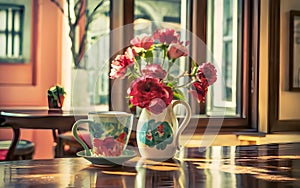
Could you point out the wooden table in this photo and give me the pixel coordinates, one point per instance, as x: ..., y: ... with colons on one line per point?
x: 61, y: 121
x: 275, y: 165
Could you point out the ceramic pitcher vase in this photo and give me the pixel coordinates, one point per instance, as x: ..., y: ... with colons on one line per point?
x: 158, y: 134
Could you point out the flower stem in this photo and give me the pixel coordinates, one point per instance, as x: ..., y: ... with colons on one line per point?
x: 171, y: 63
x: 182, y: 75
x: 164, y: 57
x: 186, y: 85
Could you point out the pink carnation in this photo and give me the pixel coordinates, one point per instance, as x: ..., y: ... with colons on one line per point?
x: 167, y: 36
x: 143, y: 41
x: 207, y: 71
x: 120, y: 63
x: 155, y: 71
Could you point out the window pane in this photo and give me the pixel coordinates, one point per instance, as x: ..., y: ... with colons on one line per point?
x: 2, y: 42
x: 98, y: 55
x: 158, y: 11
x: 2, y: 20
x: 224, y: 28
x: 17, y: 21
x: 16, y: 46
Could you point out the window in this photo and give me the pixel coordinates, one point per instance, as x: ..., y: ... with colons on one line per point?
x: 15, y: 34
x: 224, y: 26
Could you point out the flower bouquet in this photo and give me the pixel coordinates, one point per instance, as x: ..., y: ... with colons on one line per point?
x: 152, y: 85
x: 149, y: 65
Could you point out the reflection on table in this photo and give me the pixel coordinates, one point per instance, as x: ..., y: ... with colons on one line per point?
x: 274, y: 165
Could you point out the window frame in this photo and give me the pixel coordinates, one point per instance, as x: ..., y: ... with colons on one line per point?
x: 248, y: 121
x: 122, y: 14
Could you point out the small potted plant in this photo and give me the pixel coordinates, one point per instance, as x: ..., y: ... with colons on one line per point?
x: 56, y: 96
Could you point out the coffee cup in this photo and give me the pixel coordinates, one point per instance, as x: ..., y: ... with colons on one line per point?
x: 109, y: 133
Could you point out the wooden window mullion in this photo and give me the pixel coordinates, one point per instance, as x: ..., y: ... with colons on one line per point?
x: 6, y: 33
x: 13, y: 32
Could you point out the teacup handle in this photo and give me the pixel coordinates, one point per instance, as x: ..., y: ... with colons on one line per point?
x: 185, y: 121
x: 77, y: 138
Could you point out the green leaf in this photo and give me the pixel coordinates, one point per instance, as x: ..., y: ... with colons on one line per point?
x: 171, y: 84
x: 194, y: 69
x: 178, y: 95
x: 131, y: 77
x: 130, y: 105
x: 56, y: 91
x: 148, y: 54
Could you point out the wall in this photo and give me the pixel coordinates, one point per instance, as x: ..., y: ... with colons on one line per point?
x: 45, y: 70
x: 289, y: 101
x: 43, y: 67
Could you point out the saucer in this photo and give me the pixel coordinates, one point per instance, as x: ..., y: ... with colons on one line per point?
x: 109, y: 161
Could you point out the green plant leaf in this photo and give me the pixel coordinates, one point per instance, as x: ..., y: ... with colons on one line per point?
x: 194, y: 69
x: 148, y: 54
x: 178, y: 95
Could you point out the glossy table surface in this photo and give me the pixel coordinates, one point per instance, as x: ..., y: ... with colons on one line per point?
x: 274, y: 165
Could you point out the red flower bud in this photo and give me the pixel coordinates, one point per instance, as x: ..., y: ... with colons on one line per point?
x: 177, y: 50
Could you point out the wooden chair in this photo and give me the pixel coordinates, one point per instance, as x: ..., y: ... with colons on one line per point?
x: 24, y: 149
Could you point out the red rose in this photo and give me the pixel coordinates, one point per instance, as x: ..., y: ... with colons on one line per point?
x: 177, y: 50
x: 207, y: 71
x: 150, y: 93
x: 120, y: 63
x: 166, y: 36
x: 199, y: 90
x: 155, y: 71
x: 143, y: 41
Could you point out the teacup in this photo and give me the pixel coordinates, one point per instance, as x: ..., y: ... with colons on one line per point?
x: 109, y: 132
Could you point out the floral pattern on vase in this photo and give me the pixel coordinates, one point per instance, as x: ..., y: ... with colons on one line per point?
x: 156, y: 134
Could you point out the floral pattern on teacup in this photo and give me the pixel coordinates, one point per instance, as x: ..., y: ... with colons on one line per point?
x: 110, y: 146
x: 158, y: 134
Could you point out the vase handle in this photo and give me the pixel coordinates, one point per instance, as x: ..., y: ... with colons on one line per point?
x: 185, y: 121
